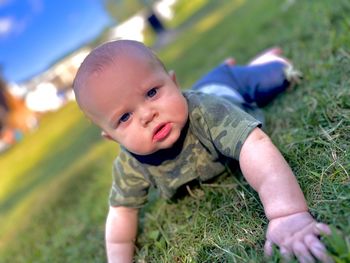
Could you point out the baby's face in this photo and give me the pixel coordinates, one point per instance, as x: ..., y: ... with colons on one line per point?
x: 138, y: 104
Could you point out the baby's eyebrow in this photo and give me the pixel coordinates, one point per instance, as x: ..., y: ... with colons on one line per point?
x: 151, y: 82
x: 115, y: 117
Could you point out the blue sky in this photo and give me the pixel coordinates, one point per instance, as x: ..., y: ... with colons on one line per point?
x: 34, y: 33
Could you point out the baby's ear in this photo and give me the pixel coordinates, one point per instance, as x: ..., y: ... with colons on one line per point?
x: 173, y: 76
x: 106, y: 136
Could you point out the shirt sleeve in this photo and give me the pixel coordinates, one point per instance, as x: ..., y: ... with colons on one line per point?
x: 228, y: 125
x: 129, y: 188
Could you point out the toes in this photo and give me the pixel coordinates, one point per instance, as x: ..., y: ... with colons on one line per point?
x: 274, y: 51
x: 230, y: 61
x: 270, y: 55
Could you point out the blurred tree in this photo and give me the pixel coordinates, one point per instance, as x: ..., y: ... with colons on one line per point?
x: 14, y: 113
x: 4, y: 107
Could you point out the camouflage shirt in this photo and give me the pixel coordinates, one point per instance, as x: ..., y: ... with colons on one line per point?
x: 215, y: 132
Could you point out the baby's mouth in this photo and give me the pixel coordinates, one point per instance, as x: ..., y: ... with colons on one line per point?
x: 162, y: 131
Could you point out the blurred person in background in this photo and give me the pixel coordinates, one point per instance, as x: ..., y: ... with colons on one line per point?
x: 15, y: 118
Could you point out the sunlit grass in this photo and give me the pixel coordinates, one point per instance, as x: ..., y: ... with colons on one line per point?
x: 208, y: 22
x: 214, y: 18
x: 41, y: 208
x: 36, y: 171
x: 52, y: 135
x: 43, y: 193
x: 183, y: 11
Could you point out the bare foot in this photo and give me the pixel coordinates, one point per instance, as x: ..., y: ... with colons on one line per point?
x: 270, y: 55
x: 275, y: 54
x: 230, y: 61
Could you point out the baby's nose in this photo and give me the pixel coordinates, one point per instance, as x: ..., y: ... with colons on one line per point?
x: 147, y: 115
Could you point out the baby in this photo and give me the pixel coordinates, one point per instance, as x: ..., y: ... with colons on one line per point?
x: 169, y: 138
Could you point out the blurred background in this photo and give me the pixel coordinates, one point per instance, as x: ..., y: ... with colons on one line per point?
x: 55, y: 169
x: 42, y: 44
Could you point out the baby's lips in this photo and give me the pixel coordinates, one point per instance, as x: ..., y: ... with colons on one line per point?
x: 162, y: 131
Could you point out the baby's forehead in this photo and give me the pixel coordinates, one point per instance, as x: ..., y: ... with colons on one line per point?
x: 115, y: 58
x: 127, y: 60
x: 126, y: 65
x: 128, y: 69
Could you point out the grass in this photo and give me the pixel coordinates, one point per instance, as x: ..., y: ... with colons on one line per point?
x: 54, y: 184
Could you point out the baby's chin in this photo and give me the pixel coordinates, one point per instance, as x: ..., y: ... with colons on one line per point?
x: 153, y: 150
x: 147, y: 152
x: 143, y: 153
x: 164, y: 145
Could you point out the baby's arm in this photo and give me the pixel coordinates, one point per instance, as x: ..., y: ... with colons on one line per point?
x: 291, y: 227
x: 121, y: 230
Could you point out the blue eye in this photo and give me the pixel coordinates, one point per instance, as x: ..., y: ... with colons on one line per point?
x: 125, y: 117
x: 152, y: 92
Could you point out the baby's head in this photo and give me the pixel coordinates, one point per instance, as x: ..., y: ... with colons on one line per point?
x: 124, y: 88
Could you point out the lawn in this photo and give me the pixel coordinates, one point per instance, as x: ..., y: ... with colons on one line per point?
x: 54, y: 185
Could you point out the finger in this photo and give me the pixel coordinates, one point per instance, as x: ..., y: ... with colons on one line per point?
x: 321, y: 228
x: 286, y: 253
x: 268, y: 248
x: 302, y: 253
x: 317, y: 249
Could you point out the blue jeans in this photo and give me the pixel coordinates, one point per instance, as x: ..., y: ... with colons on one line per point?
x: 257, y: 84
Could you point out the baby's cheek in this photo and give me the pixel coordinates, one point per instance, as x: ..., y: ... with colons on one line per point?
x: 182, y: 110
x: 130, y: 141
x: 135, y: 142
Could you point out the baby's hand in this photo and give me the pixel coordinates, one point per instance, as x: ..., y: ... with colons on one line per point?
x: 297, y: 234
